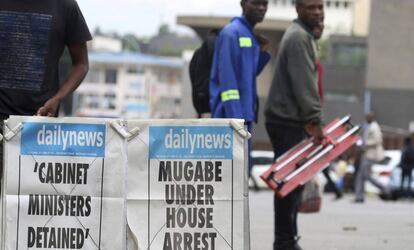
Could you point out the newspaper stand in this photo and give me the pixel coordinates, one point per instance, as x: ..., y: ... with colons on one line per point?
x: 305, y: 160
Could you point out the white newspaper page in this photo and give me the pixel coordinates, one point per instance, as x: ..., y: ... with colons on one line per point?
x: 186, y: 185
x: 64, y: 185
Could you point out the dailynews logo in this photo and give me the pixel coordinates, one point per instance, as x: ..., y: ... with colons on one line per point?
x: 63, y: 139
x: 191, y: 142
x: 183, y: 139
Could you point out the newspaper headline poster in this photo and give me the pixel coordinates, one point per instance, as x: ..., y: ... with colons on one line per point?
x: 186, y: 187
x: 64, y: 184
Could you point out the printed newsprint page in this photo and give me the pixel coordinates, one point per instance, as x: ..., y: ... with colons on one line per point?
x: 186, y: 185
x: 64, y: 184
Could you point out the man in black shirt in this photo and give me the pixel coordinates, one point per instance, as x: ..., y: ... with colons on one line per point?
x: 33, y: 35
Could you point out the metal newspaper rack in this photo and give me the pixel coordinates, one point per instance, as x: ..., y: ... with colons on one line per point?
x: 305, y: 160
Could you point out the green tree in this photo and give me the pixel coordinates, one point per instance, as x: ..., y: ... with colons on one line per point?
x: 130, y: 43
x: 163, y: 29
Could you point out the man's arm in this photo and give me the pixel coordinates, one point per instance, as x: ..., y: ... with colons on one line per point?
x: 302, y: 70
x: 79, y: 69
x: 227, y: 56
x: 316, y: 131
x: 264, y: 56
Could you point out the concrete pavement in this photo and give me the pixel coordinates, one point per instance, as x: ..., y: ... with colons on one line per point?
x: 341, y: 225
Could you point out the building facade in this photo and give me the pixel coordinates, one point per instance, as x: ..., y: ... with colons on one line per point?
x: 343, y: 17
x: 344, y: 70
x: 338, y: 14
x: 130, y: 85
x: 390, y: 74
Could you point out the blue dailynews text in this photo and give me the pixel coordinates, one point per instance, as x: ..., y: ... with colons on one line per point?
x: 184, y: 139
x: 57, y: 136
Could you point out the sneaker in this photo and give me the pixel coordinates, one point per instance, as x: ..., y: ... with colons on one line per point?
x: 288, y: 245
x: 297, y: 247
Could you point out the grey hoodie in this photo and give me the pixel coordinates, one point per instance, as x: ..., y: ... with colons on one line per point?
x: 293, y: 98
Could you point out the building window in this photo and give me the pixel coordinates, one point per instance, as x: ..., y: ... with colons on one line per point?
x: 88, y: 101
x: 328, y: 4
x: 135, y: 70
x: 337, y: 4
x: 111, y: 76
x: 162, y: 76
x: 349, y: 55
x: 137, y: 86
x: 109, y: 101
x: 81, y: 101
x: 93, y: 76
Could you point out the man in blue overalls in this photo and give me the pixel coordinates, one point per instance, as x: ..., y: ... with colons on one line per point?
x: 239, y: 56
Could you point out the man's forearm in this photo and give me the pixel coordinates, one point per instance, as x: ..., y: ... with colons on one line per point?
x: 72, y: 81
x: 75, y: 77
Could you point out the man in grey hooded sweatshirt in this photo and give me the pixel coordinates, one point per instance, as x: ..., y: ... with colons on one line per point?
x: 293, y: 109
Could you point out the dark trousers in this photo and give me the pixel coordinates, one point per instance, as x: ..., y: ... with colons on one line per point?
x: 406, y: 175
x: 284, y: 138
x: 330, y: 183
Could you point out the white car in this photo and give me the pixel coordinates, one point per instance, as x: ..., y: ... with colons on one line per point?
x: 262, y: 160
x: 381, y: 171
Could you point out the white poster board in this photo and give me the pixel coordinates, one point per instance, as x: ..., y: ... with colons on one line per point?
x: 186, y: 185
x: 64, y: 184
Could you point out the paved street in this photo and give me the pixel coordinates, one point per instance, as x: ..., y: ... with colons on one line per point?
x: 341, y: 225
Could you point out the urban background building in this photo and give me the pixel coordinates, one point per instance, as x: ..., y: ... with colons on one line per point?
x: 128, y: 84
x: 364, y: 54
x: 390, y: 74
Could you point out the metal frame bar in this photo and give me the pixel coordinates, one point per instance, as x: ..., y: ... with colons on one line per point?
x: 341, y: 122
x: 327, y: 149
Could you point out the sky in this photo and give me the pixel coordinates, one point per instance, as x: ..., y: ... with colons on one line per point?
x: 143, y: 17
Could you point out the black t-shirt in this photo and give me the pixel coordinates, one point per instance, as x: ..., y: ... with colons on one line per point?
x: 33, y: 35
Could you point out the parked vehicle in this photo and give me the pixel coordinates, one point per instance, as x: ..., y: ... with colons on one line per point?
x: 394, y: 185
x: 381, y: 171
x: 262, y: 160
